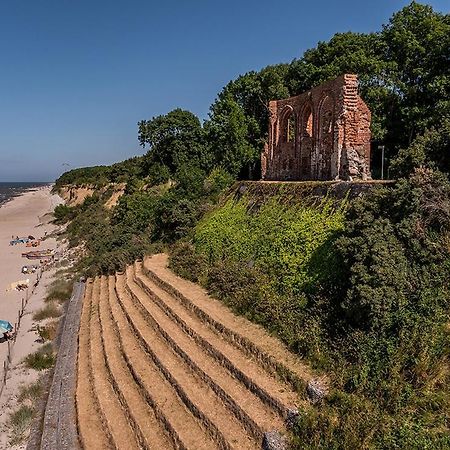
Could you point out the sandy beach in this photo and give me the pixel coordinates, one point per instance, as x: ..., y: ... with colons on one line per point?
x: 22, y: 216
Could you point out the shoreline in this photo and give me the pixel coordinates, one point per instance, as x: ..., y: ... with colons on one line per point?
x: 22, y: 215
x: 23, y: 190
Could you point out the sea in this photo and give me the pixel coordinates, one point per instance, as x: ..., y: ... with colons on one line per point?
x: 10, y: 190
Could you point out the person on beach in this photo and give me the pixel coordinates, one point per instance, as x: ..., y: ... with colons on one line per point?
x: 7, y: 335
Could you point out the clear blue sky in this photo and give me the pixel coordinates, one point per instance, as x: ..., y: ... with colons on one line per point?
x: 77, y: 75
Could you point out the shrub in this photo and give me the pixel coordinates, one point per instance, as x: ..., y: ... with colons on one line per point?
x: 238, y: 285
x: 135, y: 211
x: 217, y: 181
x: 60, y: 290
x: 432, y: 149
x: 50, y: 310
x: 42, y: 359
x: 186, y: 262
x: 175, y: 217
x: 19, y: 422
x: 158, y: 174
x: 63, y: 213
x: 48, y: 332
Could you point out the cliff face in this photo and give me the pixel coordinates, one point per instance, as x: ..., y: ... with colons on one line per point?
x: 75, y: 195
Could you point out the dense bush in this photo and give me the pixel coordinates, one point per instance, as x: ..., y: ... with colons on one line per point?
x: 432, y: 150
x: 63, y: 214
x: 293, y: 243
x: 187, y: 263
x: 360, y: 289
x: 395, y: 292
x: 144, y: 219
x: 100, y: 176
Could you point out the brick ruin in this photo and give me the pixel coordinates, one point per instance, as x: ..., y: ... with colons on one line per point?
x: 322, y: 134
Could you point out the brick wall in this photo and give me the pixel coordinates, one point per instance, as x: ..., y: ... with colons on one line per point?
x: 322, y: 134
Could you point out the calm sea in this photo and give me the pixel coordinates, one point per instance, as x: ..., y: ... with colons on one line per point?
x: 9, y: 190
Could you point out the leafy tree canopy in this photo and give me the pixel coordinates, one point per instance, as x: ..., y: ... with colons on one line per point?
x: 175, y: 139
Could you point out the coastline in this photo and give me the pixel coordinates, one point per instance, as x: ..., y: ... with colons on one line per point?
x: 22, y: 215
x: 18, y: 189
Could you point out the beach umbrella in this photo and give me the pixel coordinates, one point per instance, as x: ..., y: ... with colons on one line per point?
x: 5, y: 326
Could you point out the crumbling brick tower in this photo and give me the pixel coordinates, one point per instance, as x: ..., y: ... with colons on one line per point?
x: 322, y: 134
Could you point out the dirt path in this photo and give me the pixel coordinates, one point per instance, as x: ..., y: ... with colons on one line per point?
x: 93, y: 433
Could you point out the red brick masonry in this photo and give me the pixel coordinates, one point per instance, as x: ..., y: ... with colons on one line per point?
x: 322, y: 134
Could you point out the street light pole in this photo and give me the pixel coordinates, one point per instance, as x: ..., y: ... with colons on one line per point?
x: 381, y: 147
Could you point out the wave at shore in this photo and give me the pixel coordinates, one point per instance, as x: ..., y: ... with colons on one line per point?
x: 11, y: 190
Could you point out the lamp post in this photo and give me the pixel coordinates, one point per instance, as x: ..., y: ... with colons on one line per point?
x: 381, y: 147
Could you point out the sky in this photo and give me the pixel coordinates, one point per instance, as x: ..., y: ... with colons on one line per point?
x: 77, y: 75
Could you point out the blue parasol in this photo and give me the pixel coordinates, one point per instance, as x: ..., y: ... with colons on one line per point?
x: 5, y: 326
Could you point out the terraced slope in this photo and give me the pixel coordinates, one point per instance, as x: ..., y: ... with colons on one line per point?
x: 158, y: 368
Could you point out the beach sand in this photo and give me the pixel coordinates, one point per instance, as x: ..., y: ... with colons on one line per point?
x: 22, y: 216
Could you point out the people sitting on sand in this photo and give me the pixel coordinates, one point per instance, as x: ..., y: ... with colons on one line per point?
x: 8, y: 335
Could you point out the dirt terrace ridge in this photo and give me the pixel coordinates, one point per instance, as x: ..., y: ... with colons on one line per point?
x: 163, y: 366
x: 251, y: 338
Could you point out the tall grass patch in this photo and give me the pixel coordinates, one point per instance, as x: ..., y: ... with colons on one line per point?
x: 293, y: 243
x: 51, y: 310
x: 42, y: 359
x: 60, y: 290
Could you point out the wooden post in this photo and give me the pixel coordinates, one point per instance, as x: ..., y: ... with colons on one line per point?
x: 9, y: 352
x: 4, y: 372
x: 21, y: 311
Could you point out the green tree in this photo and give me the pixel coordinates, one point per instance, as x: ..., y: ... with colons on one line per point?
x: 418, y: 46
x: 228, y: 136
x: 432, y: 149
x: 175, y: 139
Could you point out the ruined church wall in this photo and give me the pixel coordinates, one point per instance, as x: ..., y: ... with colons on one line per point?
x: 322, y: 134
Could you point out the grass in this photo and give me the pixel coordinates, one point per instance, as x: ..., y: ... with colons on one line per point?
x: 49, y: 311
x: 60, y: 290
x: 31, y: 392
x: 42, y: 359
x: 48, y: 333
x: 19, y: 421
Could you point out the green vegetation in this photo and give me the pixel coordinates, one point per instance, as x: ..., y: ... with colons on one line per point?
x: 42, y: 359
x: 290, y: 242
x: 147, y: 218
x: 19, y: 421
x: 357, y: 286
x: 49, y: 310
x: 49, y: 331
x: 31, y: 392
x: 100, y: 176
x: 60, y: 290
